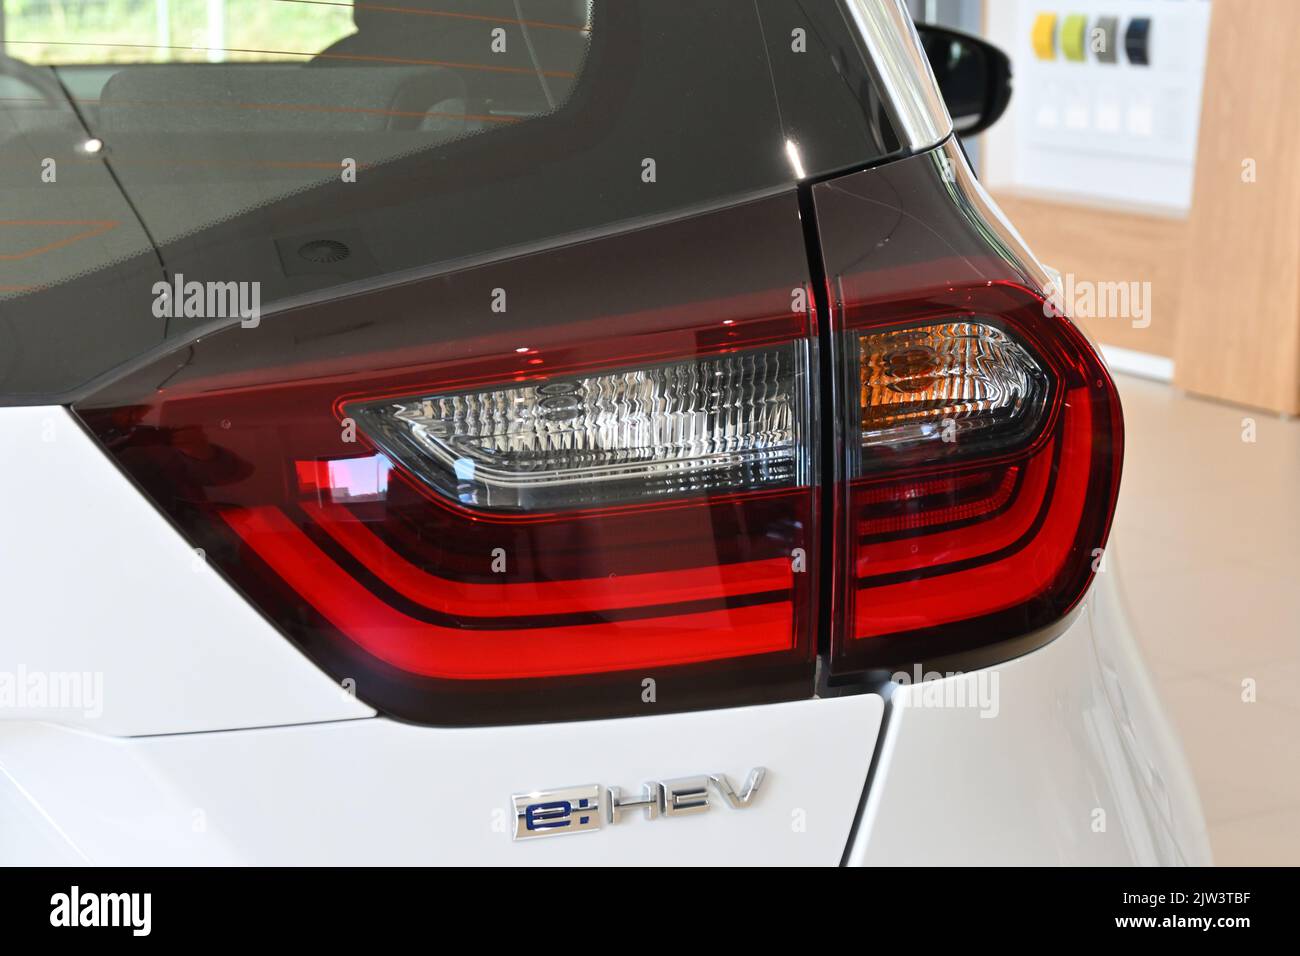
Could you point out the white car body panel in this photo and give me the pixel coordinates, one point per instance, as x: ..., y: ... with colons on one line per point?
x: 382, y: 792
x: 1078, y: 767
x: 109, y: 588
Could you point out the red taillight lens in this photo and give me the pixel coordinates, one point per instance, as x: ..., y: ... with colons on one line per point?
x: 443, y: 628
x: 983, y: 455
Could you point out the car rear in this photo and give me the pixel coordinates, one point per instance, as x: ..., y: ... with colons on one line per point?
x: 516, y: 422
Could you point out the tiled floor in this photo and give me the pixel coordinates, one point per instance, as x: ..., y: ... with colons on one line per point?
x: 1208, y: 539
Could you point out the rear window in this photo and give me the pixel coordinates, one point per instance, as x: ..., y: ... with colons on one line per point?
x: 306, y: 145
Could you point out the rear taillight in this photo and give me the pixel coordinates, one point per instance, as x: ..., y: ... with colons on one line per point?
x: 554, y: 514
x: 981, y: 473
x: 980, y: 436
x: 575, y: 511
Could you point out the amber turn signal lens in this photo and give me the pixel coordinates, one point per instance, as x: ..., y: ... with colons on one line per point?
x: 931, y: 390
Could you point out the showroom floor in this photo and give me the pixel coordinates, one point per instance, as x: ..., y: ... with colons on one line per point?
x: 1208, y: 539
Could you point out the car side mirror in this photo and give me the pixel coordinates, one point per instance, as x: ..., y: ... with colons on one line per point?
x: 973, y: 76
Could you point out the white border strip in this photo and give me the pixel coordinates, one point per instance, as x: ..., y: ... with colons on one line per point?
x: 1142, y: 364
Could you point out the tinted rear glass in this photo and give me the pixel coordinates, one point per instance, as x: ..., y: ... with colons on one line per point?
x: 299, y: 146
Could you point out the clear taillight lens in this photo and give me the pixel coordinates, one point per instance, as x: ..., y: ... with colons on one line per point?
x: 729, y: 422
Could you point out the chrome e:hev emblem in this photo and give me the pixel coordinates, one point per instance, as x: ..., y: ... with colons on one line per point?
x: 544, y: 813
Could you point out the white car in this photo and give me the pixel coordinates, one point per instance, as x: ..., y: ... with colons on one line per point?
x: 549, y: 432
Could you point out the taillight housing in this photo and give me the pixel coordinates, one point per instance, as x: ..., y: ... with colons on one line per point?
x: 567, y: 510
x: 982, y: 446
x: 978, y: 436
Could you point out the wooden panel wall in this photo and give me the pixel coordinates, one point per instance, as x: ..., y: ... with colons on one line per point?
x: 1225, y: 281
x: 1239, y: 330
